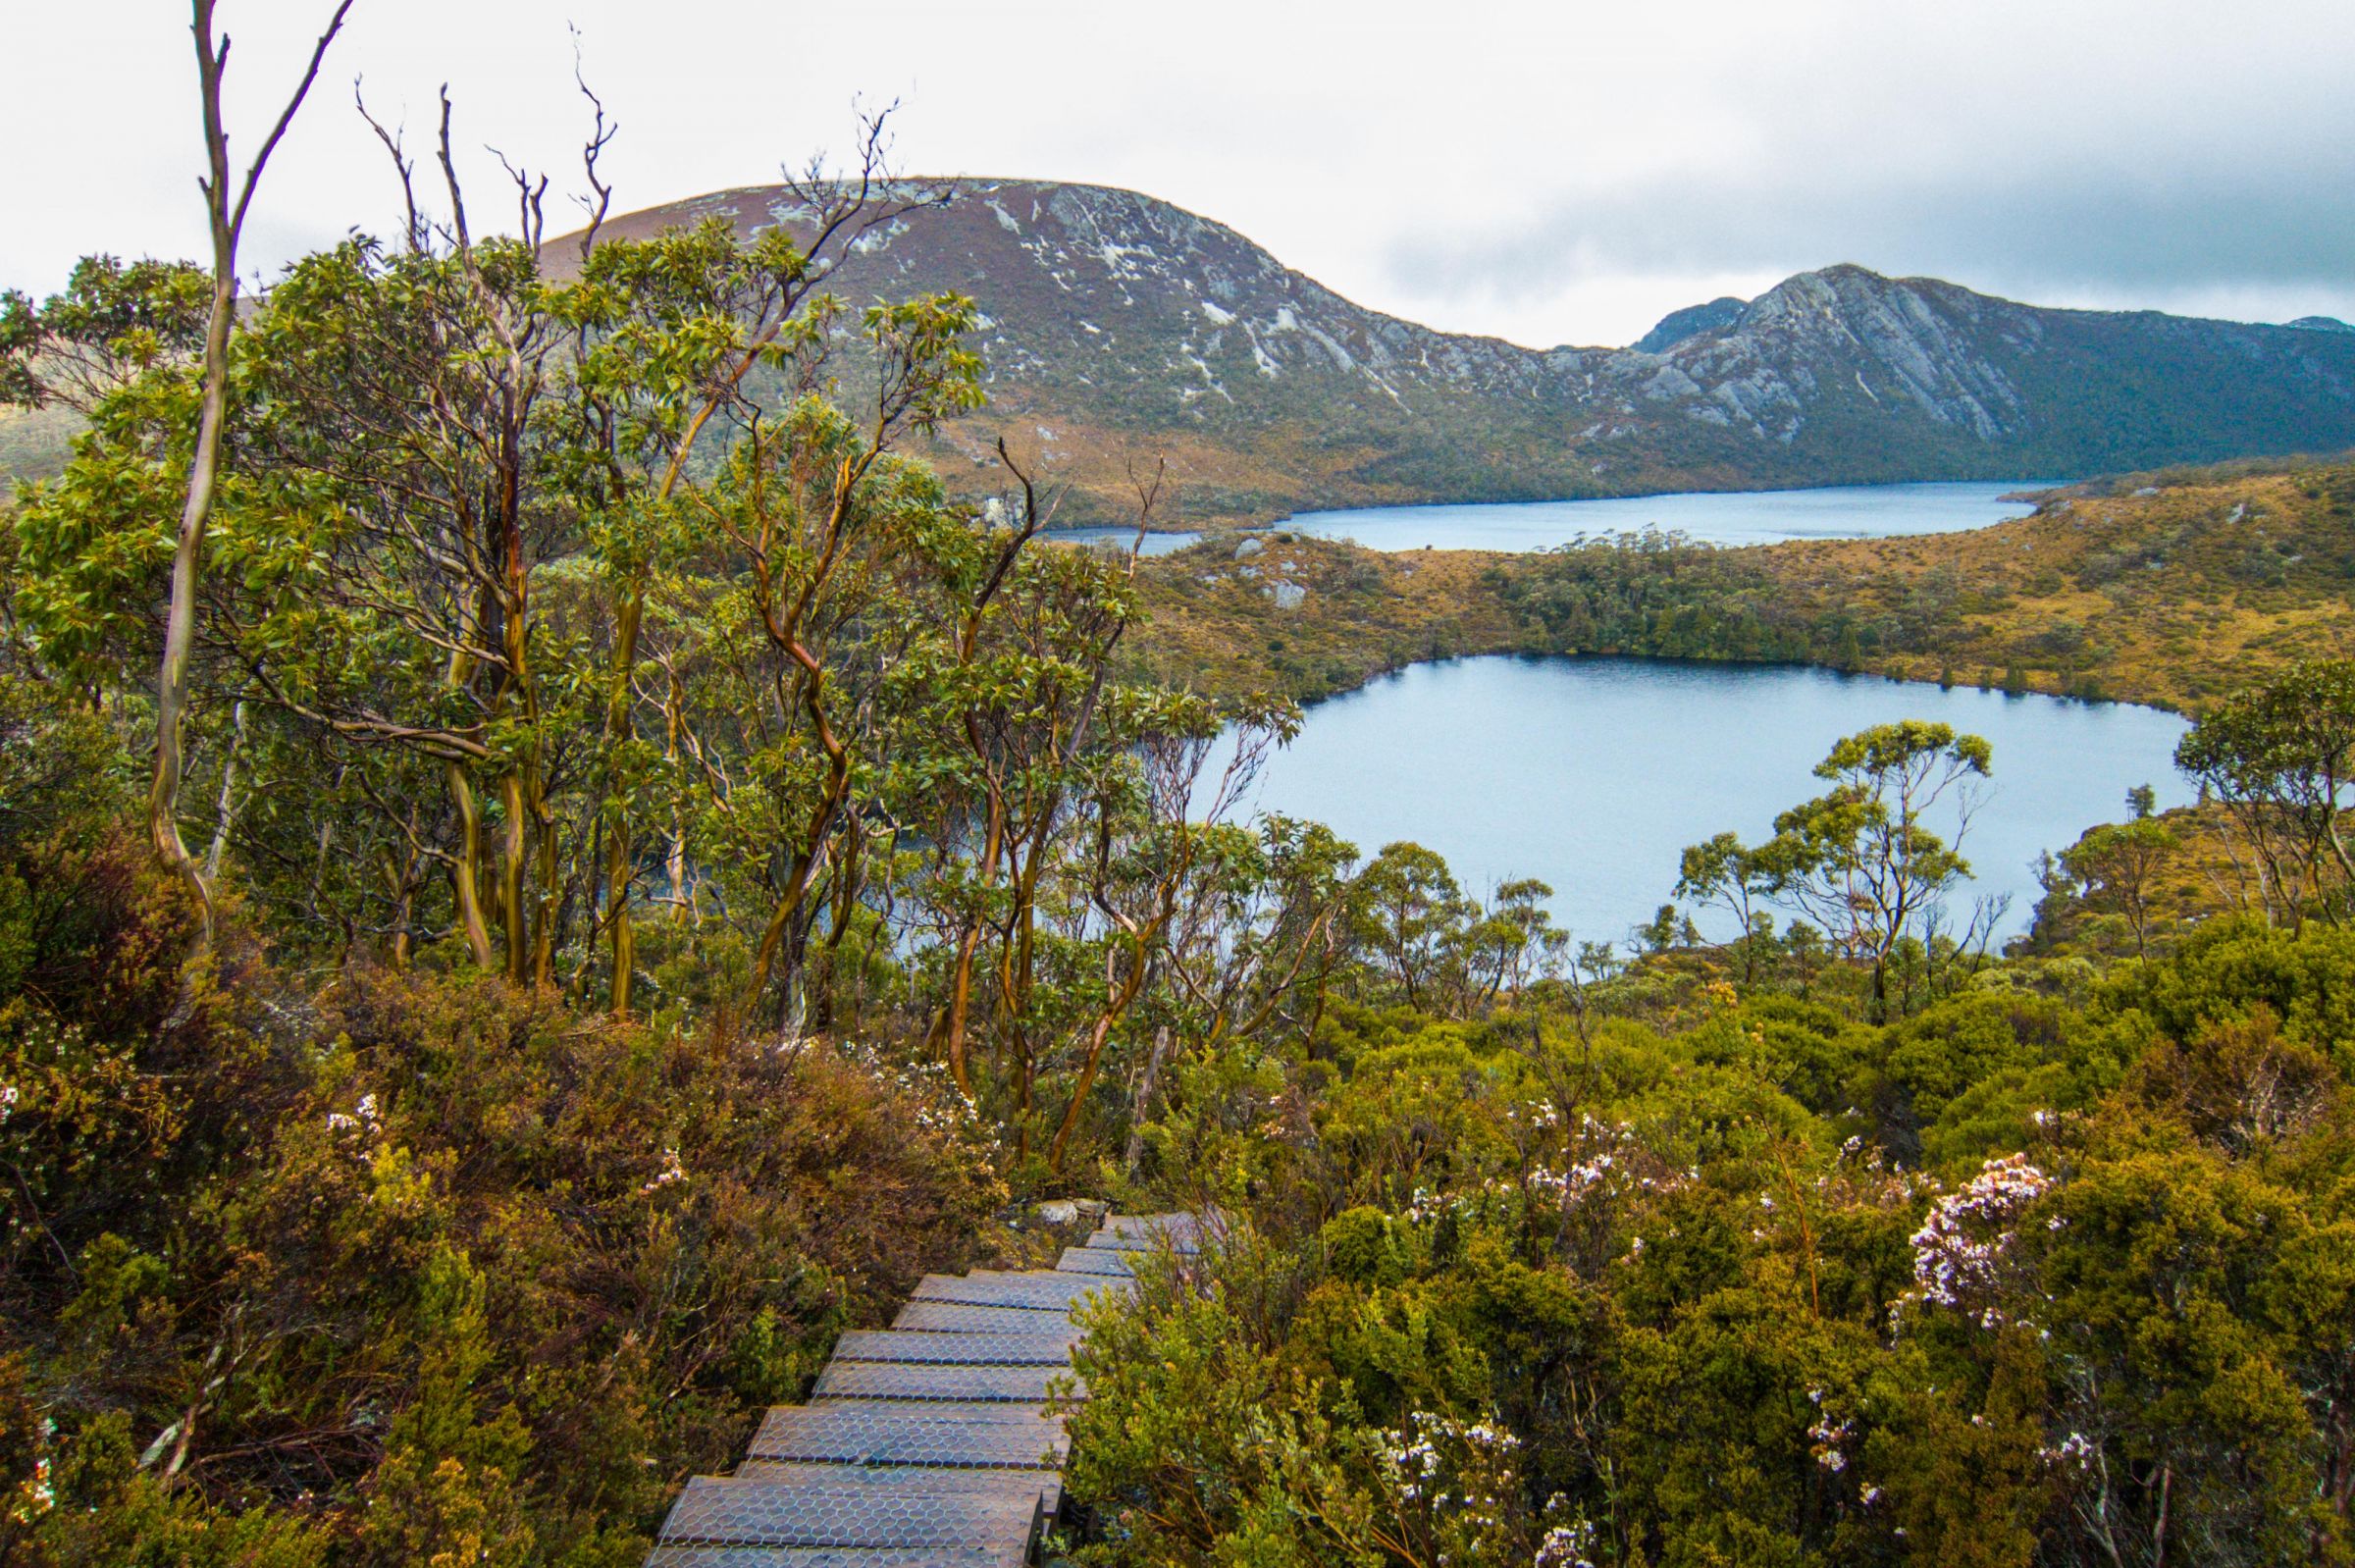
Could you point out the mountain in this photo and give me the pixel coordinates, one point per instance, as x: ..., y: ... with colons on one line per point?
x: 1690, y: 322
x: 1121, y: 326
x: 2321, y: 324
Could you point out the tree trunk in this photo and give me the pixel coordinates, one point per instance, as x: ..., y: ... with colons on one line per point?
x: 464, y: 870
x: 225, y: 809
x: 1142, y: 1105
x: 179, y: 622
x: 618, y: 863
x: 514, y: 846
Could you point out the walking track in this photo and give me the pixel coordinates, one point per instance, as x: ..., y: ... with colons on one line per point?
x: 928, y: 1444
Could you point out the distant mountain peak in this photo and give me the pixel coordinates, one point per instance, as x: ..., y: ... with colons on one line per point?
x: 1690, y: 322
x: 2320, y: 323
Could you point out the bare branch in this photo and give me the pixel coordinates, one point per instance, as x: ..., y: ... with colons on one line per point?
x: 449, y: 173
x: 601, y: 133
x: 310, y: 74
x: 402, y: 165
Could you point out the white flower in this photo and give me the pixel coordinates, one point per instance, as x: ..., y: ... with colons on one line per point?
x: 671, y: 1172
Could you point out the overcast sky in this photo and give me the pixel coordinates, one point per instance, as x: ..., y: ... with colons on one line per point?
x: 1552, y: 171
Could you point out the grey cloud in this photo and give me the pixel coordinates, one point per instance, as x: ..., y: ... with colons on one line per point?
x: 2028, y: 233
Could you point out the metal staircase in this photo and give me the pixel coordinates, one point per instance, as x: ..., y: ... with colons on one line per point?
x: 925, y: 1444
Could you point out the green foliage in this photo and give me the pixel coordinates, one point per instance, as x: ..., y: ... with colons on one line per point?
x: 1859, y: 860
x: 2280, y: 758
x: 411, y: 1268
x: 2023, y: 1280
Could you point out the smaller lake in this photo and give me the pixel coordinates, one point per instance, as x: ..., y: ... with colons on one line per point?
x: 1593, y: 775
x: 1120, y: 538
x: 1730, y: 517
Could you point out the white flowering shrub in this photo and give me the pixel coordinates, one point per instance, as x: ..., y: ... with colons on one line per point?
x: 1964, y: 1252
x: 1455, y: 1490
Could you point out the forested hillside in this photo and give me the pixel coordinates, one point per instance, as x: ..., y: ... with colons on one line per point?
x: 550, y: 861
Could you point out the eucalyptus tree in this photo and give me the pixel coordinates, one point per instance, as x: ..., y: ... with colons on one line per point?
x: 2118, y: 865
x: 228, y: 201
x: 458, y: 474
x: 1410, y: 914
x: 1158, y: 847
x: 2280, y: 761
x: 1859, y: 860
x: 1013, y: 676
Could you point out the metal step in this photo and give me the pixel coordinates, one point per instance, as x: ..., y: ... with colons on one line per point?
x: 891, y: 1380
x: 937, y: 1409
x: 823, y: 1557
x: 1094, y: 1260
x: 903, y: 1432
x: 1044, y: 1485
x: 952, y: 1317
x: 1053, y: 1293
x: 1046, y: 1349
x: 1184, y: 1230
x: 1106, y: 1241
x: 777, y: 1511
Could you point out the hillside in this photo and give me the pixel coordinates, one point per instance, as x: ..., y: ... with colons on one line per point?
x: 1118, y: 325
x: 2169, y: 587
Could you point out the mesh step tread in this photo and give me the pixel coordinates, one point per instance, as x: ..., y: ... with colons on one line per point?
x: 1046, y: 1349
x: 1095, y: 1259
x: 1052, y: 1293
x: 1182, y: 1227
x: 928, y: 1444
x: 957, y: 1317
x: 1009, y: 1437
x: 775, y: 1510
x: 1045, y: 1278
x: 833, y: 1557
x: 897, y: 1380
x: 937, y: 1409
x: 882, y: 1480
x: 1044, y: 1485
x: 1107, y: 1241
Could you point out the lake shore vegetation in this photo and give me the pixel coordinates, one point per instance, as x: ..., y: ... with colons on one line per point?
x: 2171, y: 588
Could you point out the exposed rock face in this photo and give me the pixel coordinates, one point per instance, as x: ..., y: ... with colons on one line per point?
x: 2321, y: 324
x: 1118, y: 326
x: 1689, y: 322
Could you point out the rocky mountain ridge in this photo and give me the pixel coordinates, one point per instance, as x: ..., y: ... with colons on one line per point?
x: 1119, y: 327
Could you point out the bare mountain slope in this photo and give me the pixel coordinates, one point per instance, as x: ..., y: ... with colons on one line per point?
x: 1124, y: 326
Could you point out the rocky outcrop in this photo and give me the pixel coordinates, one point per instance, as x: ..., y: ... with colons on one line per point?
x: 1689, y: 322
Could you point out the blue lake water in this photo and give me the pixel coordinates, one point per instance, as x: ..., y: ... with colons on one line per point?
x: 1593, y: 775
x: 1714, y: 517
x: 1735, y: 517
x: 1120, y: 539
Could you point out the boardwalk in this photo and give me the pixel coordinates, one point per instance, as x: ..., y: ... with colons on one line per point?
x: 925, y: 1444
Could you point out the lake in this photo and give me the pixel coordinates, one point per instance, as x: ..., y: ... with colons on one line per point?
x: 1714, y: 517
x: 1735, y: 517
x: 1593, y: 775
x: 1168, y: 543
